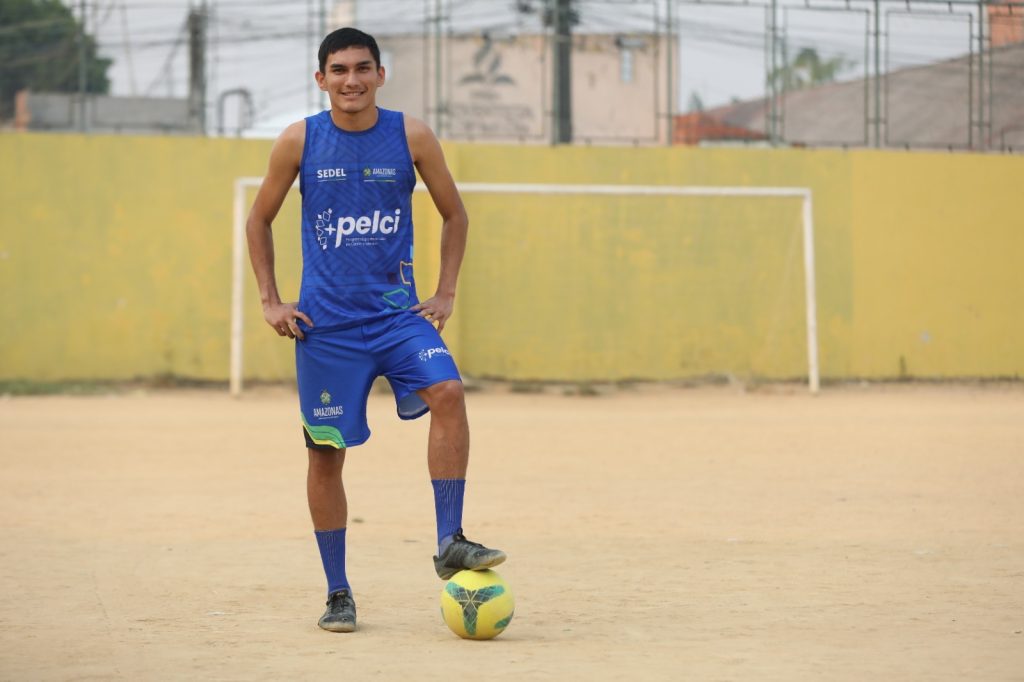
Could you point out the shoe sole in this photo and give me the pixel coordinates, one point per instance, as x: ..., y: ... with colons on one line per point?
x: 338, y: 627
x: 489, y: 562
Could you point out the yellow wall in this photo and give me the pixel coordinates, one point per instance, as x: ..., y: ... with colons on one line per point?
x: 115, y: 254
x: 938, y: 252
x: 584, y: 287
x: 115, y: 263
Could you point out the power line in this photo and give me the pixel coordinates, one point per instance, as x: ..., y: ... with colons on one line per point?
x: 165, y: 70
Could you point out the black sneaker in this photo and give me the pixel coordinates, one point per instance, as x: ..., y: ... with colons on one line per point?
x: 340, y: 615
x: 463, y: 555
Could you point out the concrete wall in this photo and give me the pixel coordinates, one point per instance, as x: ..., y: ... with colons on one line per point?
x: 937, y: 251
x: 115, y: 257
x: 114, y: 254
x: 104, y: 114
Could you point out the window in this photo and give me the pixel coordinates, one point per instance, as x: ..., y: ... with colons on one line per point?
x: 626, y: 65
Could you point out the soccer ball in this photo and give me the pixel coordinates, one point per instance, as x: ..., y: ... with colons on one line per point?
x: 477, y: 604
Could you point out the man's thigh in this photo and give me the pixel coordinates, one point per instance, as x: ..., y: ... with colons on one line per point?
x: 335, y: 372
x: 412, y: 355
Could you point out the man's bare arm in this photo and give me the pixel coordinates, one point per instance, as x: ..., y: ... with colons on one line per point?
x: 429, y: 161
x: 284, y: 166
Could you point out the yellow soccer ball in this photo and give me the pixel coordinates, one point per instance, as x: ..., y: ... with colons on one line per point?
x: 477, y: 604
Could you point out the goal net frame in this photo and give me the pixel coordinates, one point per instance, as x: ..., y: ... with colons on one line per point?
x: 803, y: 193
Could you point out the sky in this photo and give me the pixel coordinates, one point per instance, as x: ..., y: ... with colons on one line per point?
x: 268, y: 46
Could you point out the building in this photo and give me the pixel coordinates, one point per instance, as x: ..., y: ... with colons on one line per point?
x: 935, y: 106
x: 1006, y: 24
x: 498, y: 88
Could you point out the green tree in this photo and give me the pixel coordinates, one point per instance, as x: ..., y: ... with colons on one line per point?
x: 809, y: 69
x: 39, y: 50
x: 696, y: 103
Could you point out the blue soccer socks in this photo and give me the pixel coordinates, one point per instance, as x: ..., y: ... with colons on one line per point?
x: 332, y: 553
x: 448, y: 496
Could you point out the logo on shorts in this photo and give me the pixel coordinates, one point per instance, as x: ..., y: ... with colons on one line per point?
x: 327, y: 411
x: 428, y: 353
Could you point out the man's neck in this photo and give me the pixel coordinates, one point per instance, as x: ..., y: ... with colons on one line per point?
x: 354, y: 123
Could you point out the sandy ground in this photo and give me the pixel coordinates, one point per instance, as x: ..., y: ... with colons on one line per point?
x: 658, y: 533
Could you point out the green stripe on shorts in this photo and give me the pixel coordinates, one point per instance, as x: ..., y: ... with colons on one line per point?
x: 323, y: 435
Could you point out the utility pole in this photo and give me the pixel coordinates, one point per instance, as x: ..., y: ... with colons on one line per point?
x: 670, y: 93
x: 82, y: 68
x: 774, y: 73
x: 197, y: 20
x: 562, y: 82
x: 323, y: 33
x: 984, y: 55
x: 878, y: 74
x: 311, y: 49
x: 438, y: 92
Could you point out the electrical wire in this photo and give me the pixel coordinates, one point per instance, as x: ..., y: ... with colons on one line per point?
x: 251, y: 35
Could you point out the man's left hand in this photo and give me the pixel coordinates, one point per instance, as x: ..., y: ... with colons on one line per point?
x: 436, y: 309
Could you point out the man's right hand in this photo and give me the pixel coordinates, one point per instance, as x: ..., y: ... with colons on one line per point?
x: 282, y: 317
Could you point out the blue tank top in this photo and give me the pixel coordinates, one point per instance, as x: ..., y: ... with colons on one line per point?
x: 357, y: 235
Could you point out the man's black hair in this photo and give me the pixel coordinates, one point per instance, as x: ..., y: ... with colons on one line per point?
x: 345, y: 38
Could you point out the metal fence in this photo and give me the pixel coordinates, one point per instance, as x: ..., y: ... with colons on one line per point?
x: 873, y: 73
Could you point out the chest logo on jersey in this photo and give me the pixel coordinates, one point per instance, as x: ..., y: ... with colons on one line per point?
x: 379, y: 174
x: 366, y: 228
x: 330, y: 174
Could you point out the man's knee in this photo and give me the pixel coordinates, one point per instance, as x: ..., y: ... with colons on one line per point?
x: 326, y: 463
x: 446, y: 397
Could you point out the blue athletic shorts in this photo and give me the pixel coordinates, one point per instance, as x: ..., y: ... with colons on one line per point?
x: 336, y: 370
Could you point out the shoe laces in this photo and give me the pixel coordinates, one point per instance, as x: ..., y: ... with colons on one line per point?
x: 339, y: 599
x: 459, y: 537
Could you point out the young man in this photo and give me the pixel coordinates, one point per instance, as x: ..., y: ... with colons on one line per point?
x: 358, y: 315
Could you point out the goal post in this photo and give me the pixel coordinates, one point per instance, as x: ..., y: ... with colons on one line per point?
x: 804, y: 194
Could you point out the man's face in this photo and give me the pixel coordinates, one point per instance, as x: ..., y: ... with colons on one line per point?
x: 351, y: 79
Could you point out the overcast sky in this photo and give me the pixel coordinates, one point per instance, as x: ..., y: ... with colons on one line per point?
x: 268, y: 46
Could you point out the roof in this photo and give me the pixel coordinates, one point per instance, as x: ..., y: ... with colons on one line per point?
x: 698, y: 126
x: 927, y: 106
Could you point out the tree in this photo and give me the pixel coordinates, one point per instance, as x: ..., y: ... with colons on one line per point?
x: 808, y: 69
x: 696, y: 103
x: 40, y: 50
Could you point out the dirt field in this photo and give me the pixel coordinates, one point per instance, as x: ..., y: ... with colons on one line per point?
x: 658, y: 533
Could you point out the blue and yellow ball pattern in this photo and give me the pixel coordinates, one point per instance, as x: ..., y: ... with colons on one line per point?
x: 477, y: 604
